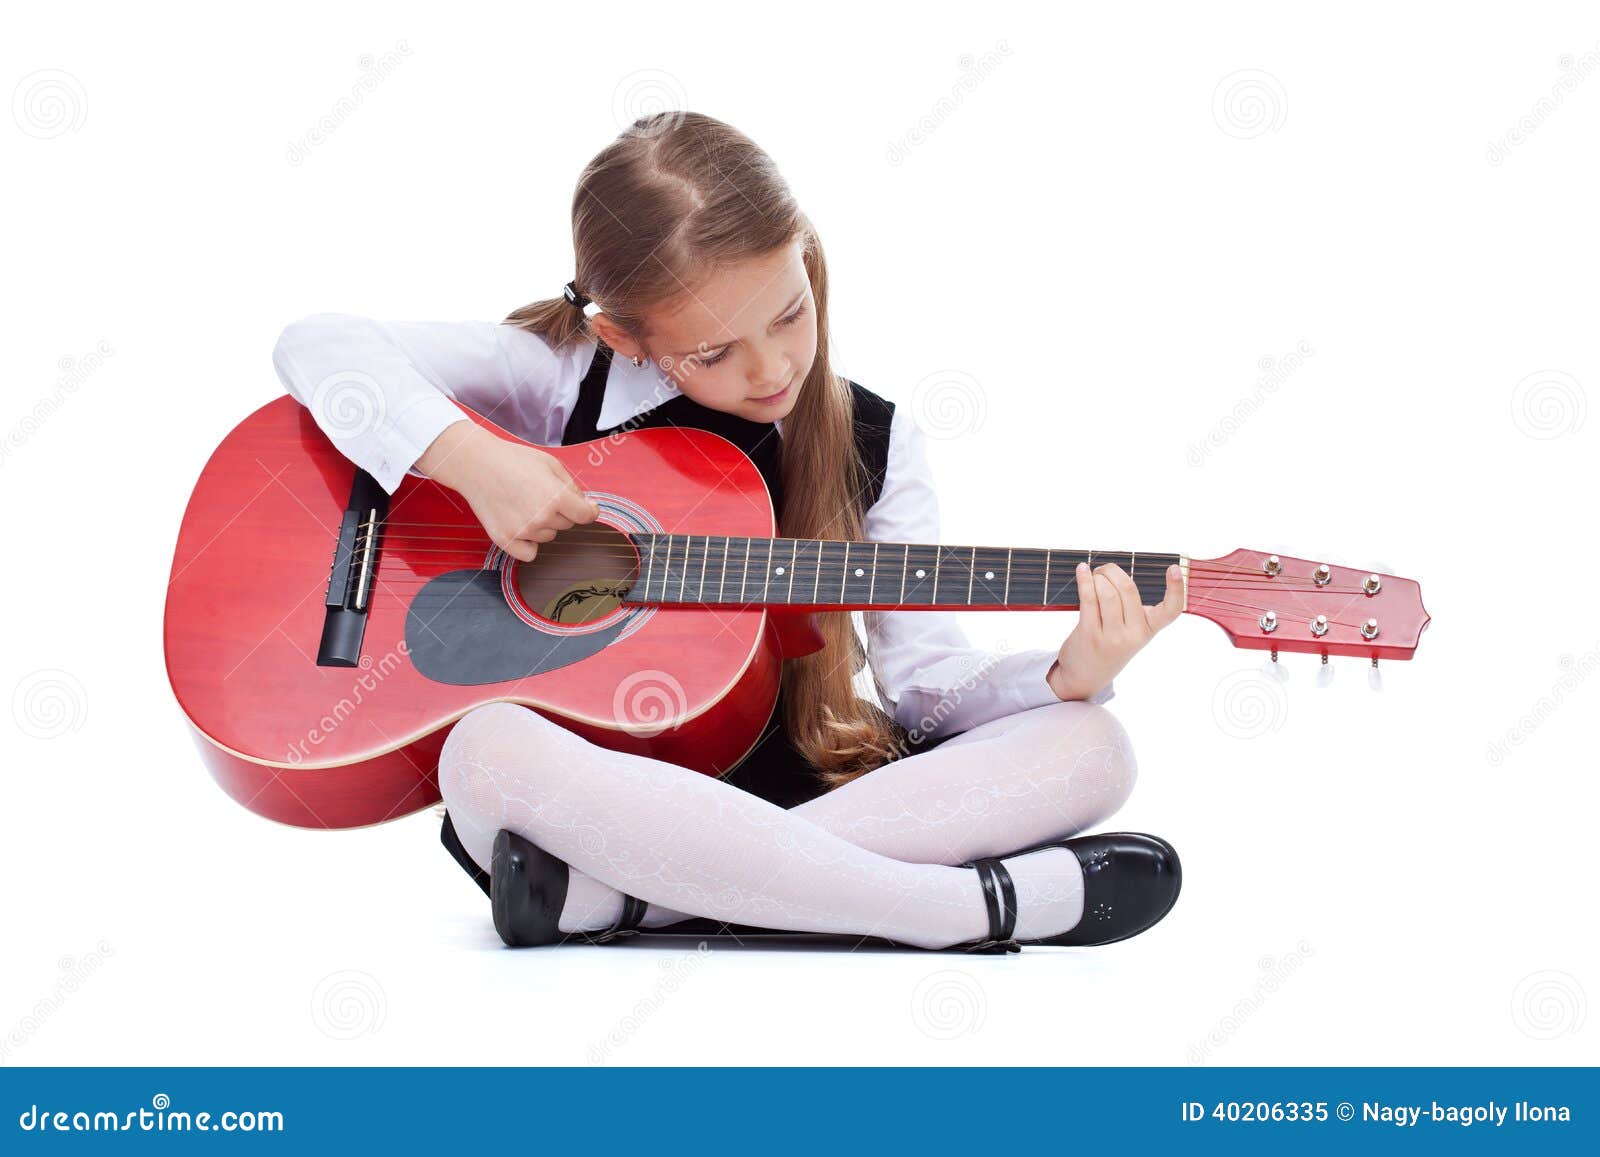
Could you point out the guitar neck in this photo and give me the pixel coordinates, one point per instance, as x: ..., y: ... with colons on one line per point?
x: 821, y: 574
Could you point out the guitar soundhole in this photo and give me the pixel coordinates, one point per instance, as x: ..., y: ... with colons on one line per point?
x: 580, y: 576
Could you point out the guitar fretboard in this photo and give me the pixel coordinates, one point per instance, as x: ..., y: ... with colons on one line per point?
x: 718, y: 569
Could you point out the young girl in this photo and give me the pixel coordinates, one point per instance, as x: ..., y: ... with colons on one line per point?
x: 940, y: 825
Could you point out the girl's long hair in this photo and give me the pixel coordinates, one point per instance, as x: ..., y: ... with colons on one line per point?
x: 696, y: 195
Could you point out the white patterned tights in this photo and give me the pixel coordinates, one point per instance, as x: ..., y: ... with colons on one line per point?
x: 876, y: 857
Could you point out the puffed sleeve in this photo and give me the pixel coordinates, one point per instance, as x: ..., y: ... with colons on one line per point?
x: 382, y: 391
x: 926, y: 672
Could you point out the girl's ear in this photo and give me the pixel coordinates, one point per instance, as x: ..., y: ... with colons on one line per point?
x: 615, y: 336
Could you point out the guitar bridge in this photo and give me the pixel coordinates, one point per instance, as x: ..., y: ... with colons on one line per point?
x: 354, y: 570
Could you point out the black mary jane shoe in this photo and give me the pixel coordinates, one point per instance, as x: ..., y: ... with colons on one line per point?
x: 1130, y: 881
x: 532, y: 887
x: 527, y: 888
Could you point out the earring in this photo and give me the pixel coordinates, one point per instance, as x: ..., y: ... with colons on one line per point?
x: 636, y: 361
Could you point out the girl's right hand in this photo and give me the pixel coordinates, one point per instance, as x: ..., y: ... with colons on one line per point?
x: 521, y: 495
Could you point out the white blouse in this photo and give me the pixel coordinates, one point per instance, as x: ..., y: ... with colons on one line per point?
x: 381, y: 392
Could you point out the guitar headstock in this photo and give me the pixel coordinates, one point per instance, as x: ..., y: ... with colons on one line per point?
x: 1268, y: 602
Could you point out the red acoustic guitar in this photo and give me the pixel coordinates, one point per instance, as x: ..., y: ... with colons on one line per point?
x: 322, y: 636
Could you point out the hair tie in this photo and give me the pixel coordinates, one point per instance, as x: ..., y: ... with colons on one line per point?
x: 573, y: 296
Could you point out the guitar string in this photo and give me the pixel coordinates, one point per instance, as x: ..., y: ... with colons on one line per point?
x: 576, y: 535
x: 1194, y: 602
x: 594, y: 533
x: 608, y: 533
x: 1242, y: 578
x: 1029, y: 555
x: 830, y: 573
x: 469, y: 532
x: 1249, y: 612
x: 838, y: 563
x: 1027, y: 567
x: 1024, y: 567
x: 482, y: 599
x: 1196, y: 567
x: 589, y: 533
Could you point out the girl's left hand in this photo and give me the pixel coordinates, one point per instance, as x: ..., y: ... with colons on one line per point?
x: 1112, y: 626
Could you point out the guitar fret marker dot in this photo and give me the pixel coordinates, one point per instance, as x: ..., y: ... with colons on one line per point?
x: 778, y: 570
x: 922, y: 574
x: 859, y: 572
x: 988, y: 574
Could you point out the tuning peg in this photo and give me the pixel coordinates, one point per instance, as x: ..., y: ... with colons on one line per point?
x: 1375, y: 677
x: 1275, y: 670
x: 1325, y: 673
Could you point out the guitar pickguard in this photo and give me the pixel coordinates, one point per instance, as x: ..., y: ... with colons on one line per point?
x: 460, y: 631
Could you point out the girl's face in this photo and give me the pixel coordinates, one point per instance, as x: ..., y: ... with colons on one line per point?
x: 743, y: 342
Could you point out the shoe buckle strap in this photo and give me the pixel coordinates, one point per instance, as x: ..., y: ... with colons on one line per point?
x: 995, y: 946
x: 627, y: 924
x: 609, y: 935
x: 1000, y: 898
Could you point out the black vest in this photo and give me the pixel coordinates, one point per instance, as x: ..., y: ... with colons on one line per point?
x: 774, y: 769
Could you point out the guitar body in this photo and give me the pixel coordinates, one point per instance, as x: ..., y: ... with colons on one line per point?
x: 450, y: 623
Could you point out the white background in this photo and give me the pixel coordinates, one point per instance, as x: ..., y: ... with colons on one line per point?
x: 1100, y: 242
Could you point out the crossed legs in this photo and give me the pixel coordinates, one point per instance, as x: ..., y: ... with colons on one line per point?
x: 875, y: 857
